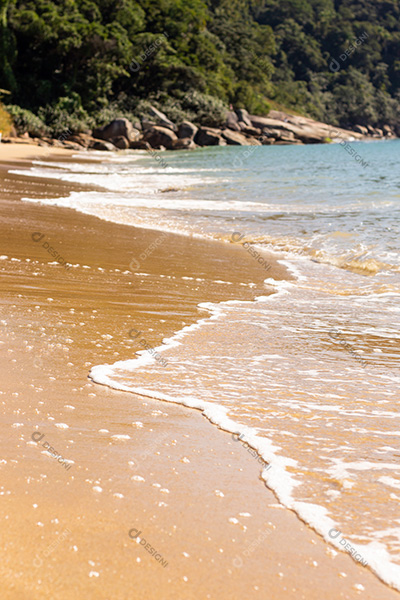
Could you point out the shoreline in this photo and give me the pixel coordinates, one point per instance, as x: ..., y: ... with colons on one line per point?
x: 96, y: 501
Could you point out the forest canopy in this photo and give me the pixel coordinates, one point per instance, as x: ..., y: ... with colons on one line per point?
x: 84, y: 61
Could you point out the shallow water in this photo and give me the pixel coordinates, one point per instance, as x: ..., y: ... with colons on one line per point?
x: 309, y: 374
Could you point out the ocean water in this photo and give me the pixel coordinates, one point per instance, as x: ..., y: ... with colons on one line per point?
x: 309, y: 374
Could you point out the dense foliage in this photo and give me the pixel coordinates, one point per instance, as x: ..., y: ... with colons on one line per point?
x: 77, y: 62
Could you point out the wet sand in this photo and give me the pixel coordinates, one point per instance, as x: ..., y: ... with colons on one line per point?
x: 193, y: 492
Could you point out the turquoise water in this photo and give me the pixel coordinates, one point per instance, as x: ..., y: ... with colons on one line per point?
x: 313, y: 384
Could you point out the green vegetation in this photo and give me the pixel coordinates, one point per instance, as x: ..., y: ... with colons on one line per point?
x: 5, y: 121
x: 77, y: 63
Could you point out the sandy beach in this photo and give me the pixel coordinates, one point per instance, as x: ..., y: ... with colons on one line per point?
x: 135, y: 465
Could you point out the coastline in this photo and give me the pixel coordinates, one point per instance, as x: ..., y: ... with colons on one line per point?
x: 92, y: 302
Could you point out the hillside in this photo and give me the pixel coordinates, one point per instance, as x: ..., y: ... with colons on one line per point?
x: 78, y: 63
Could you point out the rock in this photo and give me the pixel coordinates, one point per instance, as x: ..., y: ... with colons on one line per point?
x: 71, y: 145
x: 183, y: 144
x: 378, y: 132
x: 370, y: 129
x: 207, y: 136
x: 117, y: 128
x: 388, y: 131
x: 159, y: 136
x: 361, y: 129
x: 120, y: 142
x: 232, y: 121
x: 83, y: 139
x: 187, y: 130
x: 147, y: 124
x: 162, y: 119
x: 249, y: 130
x: 139, y: 145
x: 48, y: 140
x: 304, y: 129
x: 268, y: 141
x: 286, y: 142
x: 234, y: 138
x: 102, y: 145
x: 243, y: 116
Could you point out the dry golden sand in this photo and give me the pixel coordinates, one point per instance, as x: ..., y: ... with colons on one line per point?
x: 178, y: 479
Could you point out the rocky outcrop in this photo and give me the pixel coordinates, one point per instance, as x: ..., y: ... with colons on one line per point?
x: 243, y: 117
x: 232, y: 121
x: 234, y: 138
x: 240, y: 129
x: 187, y: 130
x: 208, y: 136
x: 159, y: 136
x: 140, y: 145
x: 102, y: 145
x: 116, y: 129
x: 161, y: 119
x: 361, y: 129
x: 120, y: 142
x: 183, y: 144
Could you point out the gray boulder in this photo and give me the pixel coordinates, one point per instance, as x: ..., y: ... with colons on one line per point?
x: 120, y: 142
x: 243, y: 116
x: 183, y: 144
x: 102, y: 145
x: 161, y: 118
x: 207, y: 136
x: 361, y: 129
x: 249, y: 130
x: 232, y: 121
x: 117, y: 128
x: 139, y: 145
x: 159, y: 136
x: 148, y: 124
x: 388, y: 131
x: 187, y: 130
x: 234, y: 138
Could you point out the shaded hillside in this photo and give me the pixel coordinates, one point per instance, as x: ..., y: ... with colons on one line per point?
x: 77, y: 63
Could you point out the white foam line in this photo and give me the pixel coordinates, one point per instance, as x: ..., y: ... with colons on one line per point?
x: 276, y: 478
